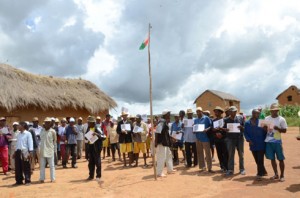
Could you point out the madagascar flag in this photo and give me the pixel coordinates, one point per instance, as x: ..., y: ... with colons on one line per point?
x: 145, y: 43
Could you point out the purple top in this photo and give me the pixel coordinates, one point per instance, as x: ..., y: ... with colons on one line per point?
x: 4, y: 136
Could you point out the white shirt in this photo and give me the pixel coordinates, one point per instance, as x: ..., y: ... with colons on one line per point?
x: 274, y: 136
x: 24, y: 141
x: 61, y: 132
x: 80, y: 130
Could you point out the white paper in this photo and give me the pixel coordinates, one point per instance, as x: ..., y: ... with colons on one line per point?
x: 177, y: 136
x: 188, y: 122
x: 268, y: 123
x: 92, y: 138
x: 159, y: 128
x: 199, y: 128
x: 233, y: 127
x: 219, y: 123
x: 137, y: 129
x: 126, y: 127
x: 170, y: 128
x: 4, y: 130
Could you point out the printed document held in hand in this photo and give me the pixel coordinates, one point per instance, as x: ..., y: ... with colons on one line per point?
x: 268, y: 123
x: 126, y: 127
x: 159, y: 128
x: 219, y: 123
x: 188, y: 122
x: 177, y: 136
x: 92, y: 138
x: 137, y: 129
x: 233, y: 127
x: 199, y: 128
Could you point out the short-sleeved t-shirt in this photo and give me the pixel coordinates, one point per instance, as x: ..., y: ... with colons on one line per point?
x: 274, y: 136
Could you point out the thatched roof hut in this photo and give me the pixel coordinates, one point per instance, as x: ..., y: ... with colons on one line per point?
x: 24, y: 91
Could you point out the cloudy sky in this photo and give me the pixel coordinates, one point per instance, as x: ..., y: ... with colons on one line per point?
x: 248, y: 48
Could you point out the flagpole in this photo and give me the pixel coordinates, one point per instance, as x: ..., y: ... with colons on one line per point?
x: 151, y: 109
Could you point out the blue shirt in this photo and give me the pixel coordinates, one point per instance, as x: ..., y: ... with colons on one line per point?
x: 256, y: 135
x: 188, y: 135
x: 202, y: 136
x: 71, y: 136
x: 177, y: 127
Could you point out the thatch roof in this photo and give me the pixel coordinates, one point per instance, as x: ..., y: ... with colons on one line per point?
x: 20, y: 89
x: 220, y: 94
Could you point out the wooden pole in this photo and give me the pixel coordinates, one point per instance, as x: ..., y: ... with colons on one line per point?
x: 151, y: 109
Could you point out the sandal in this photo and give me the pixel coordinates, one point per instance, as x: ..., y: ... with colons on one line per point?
x: 274, y: 177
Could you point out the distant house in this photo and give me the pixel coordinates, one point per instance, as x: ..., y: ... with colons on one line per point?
x: 209, y: 99
x: 24, y: 96
x: 290, y: 96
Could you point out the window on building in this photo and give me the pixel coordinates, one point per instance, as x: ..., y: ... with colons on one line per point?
x: 230, y: 103
x: 290, y: 98
x: 209, y: 104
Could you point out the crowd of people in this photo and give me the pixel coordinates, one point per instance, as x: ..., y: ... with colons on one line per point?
x: 56, y: 142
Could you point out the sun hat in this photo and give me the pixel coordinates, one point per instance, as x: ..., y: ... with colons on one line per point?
x: 189, y: 111
x: 165, y: 112
x: 218, y: 108
x: 199, y: 109
x: 47, y: 119
x: 72, y: 120
x: 233, y: 108
x: 91, y: 119
x: 274, y: 107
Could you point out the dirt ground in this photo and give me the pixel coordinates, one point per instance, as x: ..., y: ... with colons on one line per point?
x: 139, y: 182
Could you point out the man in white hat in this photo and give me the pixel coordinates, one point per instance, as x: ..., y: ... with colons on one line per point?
x: 23, y: 154
x: 36, y: 129
x: 47, y: 150
x: 125, y: 138
x: 163, y: 144
x: 203, y: 141
x: 139, y: 139
x: 80, y: 137
x: 190, y: 141
x: 235, y: 141
x: 13, y: 144
x: 71, y: 133
x: 61, y: 137
x: 274, y: 141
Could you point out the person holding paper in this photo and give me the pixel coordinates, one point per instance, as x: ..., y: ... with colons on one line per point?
x: 274, y: 142
x: 219, y: 136
x: 235, y: 141
x: 5, y: 136
x: 104, y: 127
x: 139, y: 139
x: 114, y: 141
x: 203, y: 142
x: 13, y: 143
x: 71, y: 143
x: 94, y: 150
x: 190, y: 141
x: 47, y: 150
x: 125, y: 138
x: 176, y: 130
x: 256, y: 136
x: 23, y: 154
x: 210, y: 136
x: 162, y: 145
